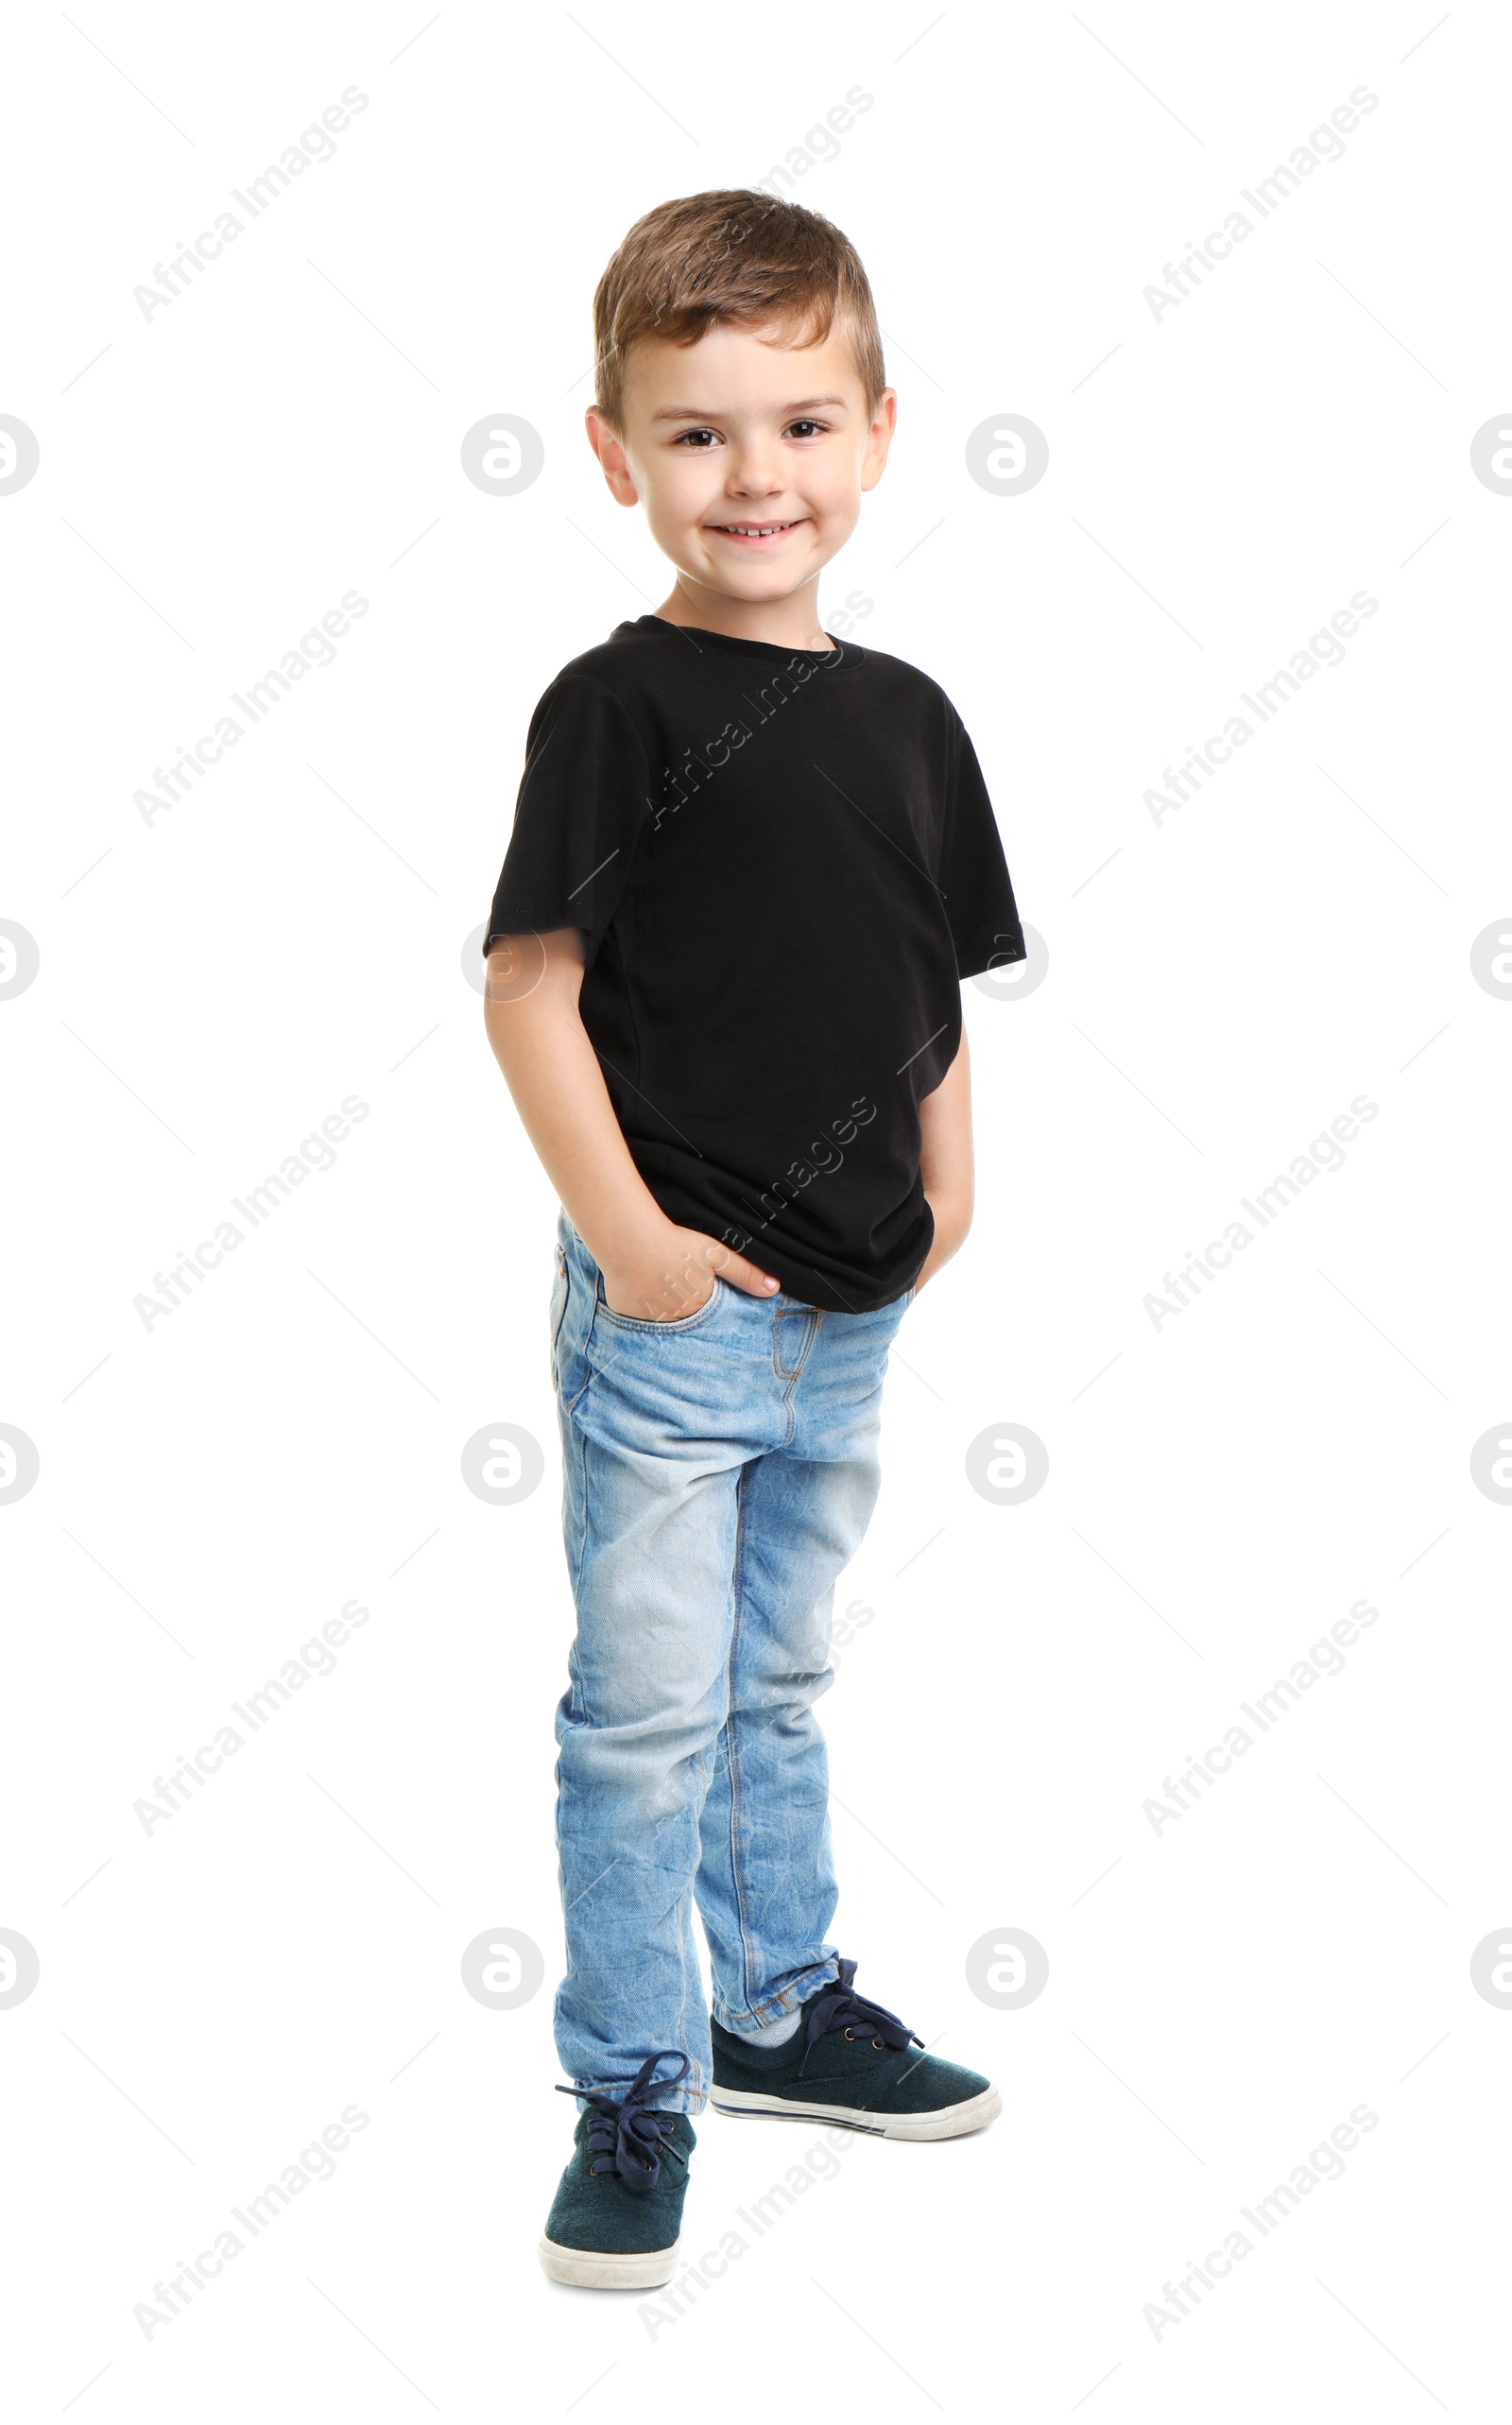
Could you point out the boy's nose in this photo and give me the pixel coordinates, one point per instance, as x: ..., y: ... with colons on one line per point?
x: 755, y: 474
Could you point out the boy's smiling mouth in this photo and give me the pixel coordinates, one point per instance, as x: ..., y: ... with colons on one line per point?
x: 754, y: 534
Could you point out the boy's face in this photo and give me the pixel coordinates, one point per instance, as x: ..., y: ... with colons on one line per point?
x: 732, y: 437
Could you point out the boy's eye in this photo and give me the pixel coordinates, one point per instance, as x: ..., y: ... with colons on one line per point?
x: 695, y: 437
x: 803, y: 428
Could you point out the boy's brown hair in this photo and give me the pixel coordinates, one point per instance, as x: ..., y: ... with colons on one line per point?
x: 732, y: 256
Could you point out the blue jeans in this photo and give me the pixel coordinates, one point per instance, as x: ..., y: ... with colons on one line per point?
x: 718, y: 1473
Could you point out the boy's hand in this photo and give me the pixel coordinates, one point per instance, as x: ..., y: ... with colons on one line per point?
x: 673, y: 1274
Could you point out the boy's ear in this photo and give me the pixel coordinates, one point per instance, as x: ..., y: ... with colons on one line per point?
x: 879, y: 439
x: 604, y: 441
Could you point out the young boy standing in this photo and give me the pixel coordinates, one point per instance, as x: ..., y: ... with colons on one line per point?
x: 751, y: 866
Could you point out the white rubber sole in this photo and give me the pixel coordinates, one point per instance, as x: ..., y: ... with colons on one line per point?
x: 603, y: 2269
x: 947, y: 2122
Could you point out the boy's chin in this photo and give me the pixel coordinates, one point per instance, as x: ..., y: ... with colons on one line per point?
x: 754, y: 583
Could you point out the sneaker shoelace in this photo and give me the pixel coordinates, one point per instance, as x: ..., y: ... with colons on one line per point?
x: 841, y: 2008
x: 629, y: 2136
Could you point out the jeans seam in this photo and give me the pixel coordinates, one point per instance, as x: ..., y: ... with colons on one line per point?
x: 747, y: 1950
x: 580, y: 1436
x: 791, y: 1997
x: 791, y: 1380
x: 566, y: 1301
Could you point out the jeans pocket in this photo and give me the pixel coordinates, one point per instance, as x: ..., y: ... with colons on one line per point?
x: 603, y: 1310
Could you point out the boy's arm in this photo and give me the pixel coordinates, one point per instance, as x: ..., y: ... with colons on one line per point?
x: 946, y: 1164
x: 652, y: 1268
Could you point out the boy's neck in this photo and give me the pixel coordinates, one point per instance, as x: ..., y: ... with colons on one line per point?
x: 784, y: 622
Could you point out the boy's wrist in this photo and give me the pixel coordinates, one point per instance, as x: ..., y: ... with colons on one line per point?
x: 952, y: 1224
x: 952, y: 1220
x: 630, y: 1237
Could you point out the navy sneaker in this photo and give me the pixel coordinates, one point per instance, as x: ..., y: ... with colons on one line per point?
x: 849, y: 2062
x: 614, y: 2220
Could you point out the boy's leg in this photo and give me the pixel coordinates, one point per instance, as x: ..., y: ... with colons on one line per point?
x: 654, y: 1440
x: 766, y: 1886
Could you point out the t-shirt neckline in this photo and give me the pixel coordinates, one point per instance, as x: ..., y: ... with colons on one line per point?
x: 843, y: 653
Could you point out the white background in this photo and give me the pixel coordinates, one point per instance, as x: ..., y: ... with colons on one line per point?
x: 1221, y: 1489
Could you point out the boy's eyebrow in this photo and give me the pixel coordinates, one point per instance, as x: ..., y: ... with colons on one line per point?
x: 693, y: 412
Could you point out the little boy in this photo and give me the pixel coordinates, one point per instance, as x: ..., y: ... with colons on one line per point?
x: 750, y: 865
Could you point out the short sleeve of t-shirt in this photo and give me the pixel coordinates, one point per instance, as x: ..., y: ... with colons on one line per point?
x: 972, y: 872
x: 583, y: 800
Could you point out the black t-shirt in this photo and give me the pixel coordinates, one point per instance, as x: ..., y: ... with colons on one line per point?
x: 783, y: 862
